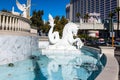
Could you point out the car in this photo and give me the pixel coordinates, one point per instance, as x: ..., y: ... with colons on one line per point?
x: 116, y: 43
x: 90, y: 42
x: 101, y: 41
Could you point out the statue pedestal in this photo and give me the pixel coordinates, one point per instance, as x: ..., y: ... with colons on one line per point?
x: 60, y: 55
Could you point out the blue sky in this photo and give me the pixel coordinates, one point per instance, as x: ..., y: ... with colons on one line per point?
x: 54, y: 7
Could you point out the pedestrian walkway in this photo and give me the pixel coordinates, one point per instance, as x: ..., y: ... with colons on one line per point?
x: 117, y: 55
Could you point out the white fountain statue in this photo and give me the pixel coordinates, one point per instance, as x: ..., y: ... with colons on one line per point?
x: 63, y: 51
x: 23, y: 8
x: 66, y: 43
x: 15, y: 13
x: 67, y: 40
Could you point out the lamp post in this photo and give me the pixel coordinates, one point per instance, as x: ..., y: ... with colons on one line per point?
x: 111, y: 31
x: 112, y: 37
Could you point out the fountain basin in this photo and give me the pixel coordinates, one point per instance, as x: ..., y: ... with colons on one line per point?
x: 37, y: 68
x: 16, y: 46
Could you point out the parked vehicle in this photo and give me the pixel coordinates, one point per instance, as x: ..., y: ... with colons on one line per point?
x: 116, y: 43
x: 101, y: 41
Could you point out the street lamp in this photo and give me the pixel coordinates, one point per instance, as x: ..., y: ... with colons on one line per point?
x: 112, y: 32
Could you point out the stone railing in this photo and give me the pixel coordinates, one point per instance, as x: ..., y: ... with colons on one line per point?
x: 111, y: 69
x: 11, y: 22
x: 94, y: 26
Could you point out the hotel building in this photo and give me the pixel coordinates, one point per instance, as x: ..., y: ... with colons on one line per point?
x: 104, y: 7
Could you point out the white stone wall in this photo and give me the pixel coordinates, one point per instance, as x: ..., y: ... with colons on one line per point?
x: 16, y: 48
x: 34, y: 31
x: 43, y: 44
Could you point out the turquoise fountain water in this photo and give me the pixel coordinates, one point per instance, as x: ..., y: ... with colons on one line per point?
x: 36, y: 68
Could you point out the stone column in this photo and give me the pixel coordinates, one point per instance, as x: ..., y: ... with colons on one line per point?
x: 18, y: 25
x: 21, y: 23
x: 23, y: 26
x: 3, y: 22
x: 13, y: 24
x: 0, y: 21
x: 6, y: 25
x: 27, y: 27
x: 10, y: 23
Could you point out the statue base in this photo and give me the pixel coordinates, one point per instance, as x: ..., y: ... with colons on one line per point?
x: 60, y: 55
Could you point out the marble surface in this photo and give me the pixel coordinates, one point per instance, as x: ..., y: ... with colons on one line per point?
x: 16, y: 48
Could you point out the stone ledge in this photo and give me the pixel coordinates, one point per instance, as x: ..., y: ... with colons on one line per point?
x: 12, y: 15
x: 18, y: 33
x: 16, y: 48
x: 111, y: 70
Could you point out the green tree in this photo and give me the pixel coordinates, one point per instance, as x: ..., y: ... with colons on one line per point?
x: 117, y: 10
x: 38, y: 22
x: 111, y: 14
x: 59, y: 24
x: 5, y: 10
x: 57, y: 19
x: 37, y: 19
x: 78, y: 16
x: 63, y: 20
x: 45, y: 28
x: 86, y: 17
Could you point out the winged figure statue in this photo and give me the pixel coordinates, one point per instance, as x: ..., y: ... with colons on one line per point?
x: 13, y: 11
x: 23, y: 8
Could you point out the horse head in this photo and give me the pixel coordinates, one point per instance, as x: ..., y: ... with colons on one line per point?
x: 74, y: 29
x: 70, y: 29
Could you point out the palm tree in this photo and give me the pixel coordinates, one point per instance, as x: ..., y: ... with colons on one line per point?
x: 78, y: 15
x: 117, y: 11
x: 86, y: 16
x: 111, y: 14
x: 37, y: 18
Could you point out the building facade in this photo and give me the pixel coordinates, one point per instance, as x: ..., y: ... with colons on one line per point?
x: 104, y: 7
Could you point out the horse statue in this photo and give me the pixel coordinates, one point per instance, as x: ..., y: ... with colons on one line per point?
x: 23, y: 8
x: 67, y: 41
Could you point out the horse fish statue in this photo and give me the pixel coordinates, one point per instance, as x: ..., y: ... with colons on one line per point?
x: 67, y: 41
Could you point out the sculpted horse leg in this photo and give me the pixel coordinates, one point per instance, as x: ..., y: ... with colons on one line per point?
x: 78, y: 42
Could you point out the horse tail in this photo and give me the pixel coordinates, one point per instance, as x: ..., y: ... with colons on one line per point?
x: 53, y: 36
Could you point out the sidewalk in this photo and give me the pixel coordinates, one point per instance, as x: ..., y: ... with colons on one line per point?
x: 117, y: 55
